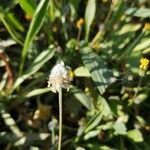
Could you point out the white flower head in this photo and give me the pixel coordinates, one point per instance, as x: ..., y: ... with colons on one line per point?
x: 60, y: 77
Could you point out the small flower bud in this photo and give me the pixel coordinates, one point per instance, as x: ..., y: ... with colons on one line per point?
x: 80, y: 22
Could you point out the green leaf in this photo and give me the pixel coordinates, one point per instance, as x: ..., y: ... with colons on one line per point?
x: 31, y: 138
x: 54, y: 11
x: 80, y: 148
x: 28, y: 6
x: 131, y: 46
x: 89, y: 16
x: 97, y: 146
x: 27, y: 139
x: 120, y: 128
x: 36, y: 65
x: 9, y: 121
x: 104, y: 107
x: 3, y: 81
x: 91, y: 134
x: 100, y: 74
x: 138, y: 12
x: 38, y: 79
x: 75, y: 3
x: 117, y: 14
x: 106, y: 126
x: 135, y: 135
x: 83, y: 99
x: 36, y: 92
x: 14, y: 22
x: 144, y: 43
x: 15, y: 35
x: 93, y: 122
x: 81, y: 72
x: 35, y: 26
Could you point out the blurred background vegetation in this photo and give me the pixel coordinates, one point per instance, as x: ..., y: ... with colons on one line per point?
x: 107, y: 106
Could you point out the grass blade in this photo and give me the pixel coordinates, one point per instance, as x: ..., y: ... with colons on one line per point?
x: 35, y: 26
x: 139, y: 12
x: 36, y: 92
x: 13, y: 20
x: 89, y: 16
x: 6, y: 21
x: 28, y: 6
x: 35, y: 66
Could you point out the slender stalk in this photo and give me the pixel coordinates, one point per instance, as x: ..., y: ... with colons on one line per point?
x: 121, y: 143
x: 53, y: 132
x: 78, y: 37
x: 60, y: 119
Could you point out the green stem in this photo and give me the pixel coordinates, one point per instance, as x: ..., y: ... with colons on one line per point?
x: 53, y: 133
x: 78, y: 37
x: 121, y: 143
x: 60, y: 119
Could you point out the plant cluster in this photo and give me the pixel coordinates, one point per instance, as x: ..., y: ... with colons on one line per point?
x: 105, y: 43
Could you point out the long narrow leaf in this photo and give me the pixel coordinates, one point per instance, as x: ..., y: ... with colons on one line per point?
x: 37, y: 92
x: 105, y: 108
x: 89, y: 16
x: 15, y: 35
x: 35, y: 26
x: 28, y: 6
x: 94, y: 122
x: 36, y: 65
x: 138, y: 12
x: 13, y: 20
x: 117, y: 14
x: 130, y: 47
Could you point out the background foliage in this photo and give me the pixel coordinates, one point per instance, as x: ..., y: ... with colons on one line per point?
x: 107, y: 106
